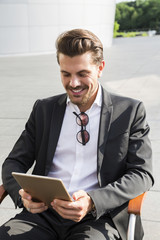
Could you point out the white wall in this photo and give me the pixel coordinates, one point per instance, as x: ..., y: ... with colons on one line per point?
x: 32, y: 26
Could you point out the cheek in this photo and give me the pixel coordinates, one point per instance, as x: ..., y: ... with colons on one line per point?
x: 94, y: 84
x: 64, y: 82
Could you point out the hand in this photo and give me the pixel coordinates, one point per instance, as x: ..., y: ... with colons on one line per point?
x: 33, y: 207
x: 75, y: 210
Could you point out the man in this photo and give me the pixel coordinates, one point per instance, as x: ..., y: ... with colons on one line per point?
x: 95, y: 141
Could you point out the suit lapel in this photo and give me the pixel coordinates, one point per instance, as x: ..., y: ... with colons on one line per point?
x: 55, y: 128
x: 105, y: 121
x: 56, y: 124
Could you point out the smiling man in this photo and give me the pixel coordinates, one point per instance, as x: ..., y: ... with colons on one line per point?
x: 79, y: 76
x: 95, y: 141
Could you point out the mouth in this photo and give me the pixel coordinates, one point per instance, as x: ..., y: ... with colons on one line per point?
x: 76, y: 92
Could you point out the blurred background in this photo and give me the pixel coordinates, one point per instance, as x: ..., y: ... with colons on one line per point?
x: 31, y: 26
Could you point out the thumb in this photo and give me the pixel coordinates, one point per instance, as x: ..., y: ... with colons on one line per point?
x: 78, y: 195
x: 24, y: 194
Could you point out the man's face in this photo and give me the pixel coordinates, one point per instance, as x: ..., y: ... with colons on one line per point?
x: 80, y: 78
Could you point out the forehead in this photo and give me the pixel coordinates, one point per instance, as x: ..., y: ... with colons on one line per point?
x: 77, y: 62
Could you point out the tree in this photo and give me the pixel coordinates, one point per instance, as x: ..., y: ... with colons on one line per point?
x: 123, y: 15
x: 138, y: 15
x: 116, y: 28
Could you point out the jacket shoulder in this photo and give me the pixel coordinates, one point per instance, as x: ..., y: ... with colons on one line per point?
x: 122, y: 105
x: 50, y: 101
x: 53, y: 99
x: 119, y: 99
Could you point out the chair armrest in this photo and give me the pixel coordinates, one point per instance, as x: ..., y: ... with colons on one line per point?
x: 134, y: 209
x: 3, y: 193
x: 135, y: 205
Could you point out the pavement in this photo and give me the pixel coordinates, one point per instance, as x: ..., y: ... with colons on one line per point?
x: 132, y: 69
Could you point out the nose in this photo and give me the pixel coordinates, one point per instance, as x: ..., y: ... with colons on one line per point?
x: 74, y: 82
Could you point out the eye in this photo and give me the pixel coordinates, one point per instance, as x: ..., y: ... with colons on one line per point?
x: 83, y: 75
x: 65, y: 74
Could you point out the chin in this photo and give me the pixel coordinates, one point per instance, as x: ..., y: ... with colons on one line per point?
x: 78, y: 103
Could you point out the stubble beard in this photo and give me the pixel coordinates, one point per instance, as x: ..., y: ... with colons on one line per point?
x: 85, y: 99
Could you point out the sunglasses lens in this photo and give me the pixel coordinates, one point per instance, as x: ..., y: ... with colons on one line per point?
x: 83, y: 137
x: 82, y: 119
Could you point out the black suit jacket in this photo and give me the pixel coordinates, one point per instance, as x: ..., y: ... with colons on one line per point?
x: 124, y: 167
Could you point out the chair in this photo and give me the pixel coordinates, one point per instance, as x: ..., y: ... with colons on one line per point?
x: 3, y: 193
x: 134, y: 209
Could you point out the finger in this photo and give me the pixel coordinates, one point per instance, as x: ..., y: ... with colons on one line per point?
x: 38, y: 210
x: 73, y: 215
x: 68, y: 210
x: 66, y: 204
x: 78, y: 195
x: 35, y: 207
x: 25, y: 195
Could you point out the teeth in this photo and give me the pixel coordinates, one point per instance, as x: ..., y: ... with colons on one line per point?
x: 76, y: 91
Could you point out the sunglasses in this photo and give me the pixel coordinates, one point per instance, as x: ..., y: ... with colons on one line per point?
x: 82, y: 120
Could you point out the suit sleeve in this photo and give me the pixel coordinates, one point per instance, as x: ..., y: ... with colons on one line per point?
x: 20, y: 159
x: 137, y: 177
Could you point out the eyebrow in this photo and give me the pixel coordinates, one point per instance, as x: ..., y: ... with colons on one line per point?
x: 62, y: 71
x: 85, y: 71
x: 82, y: 71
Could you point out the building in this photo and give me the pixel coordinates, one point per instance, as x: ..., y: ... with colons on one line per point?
x: 31, y: 26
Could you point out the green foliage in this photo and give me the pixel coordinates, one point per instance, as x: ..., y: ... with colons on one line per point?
x: 140, y: 14
x: 130, y: 34
x: 116, y: 28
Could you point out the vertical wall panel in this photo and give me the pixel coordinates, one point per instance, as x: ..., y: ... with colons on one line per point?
x: 31, y: 26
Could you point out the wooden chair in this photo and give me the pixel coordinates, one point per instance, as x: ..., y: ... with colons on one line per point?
x: 3, y: 193
x: 134, y: 209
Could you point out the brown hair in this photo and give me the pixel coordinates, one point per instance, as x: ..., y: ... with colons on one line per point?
x: 78, y: 41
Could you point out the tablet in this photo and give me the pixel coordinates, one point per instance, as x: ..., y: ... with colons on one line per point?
x: 42, y: 188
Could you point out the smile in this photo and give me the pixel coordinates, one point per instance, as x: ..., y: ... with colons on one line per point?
x: 77, y: 91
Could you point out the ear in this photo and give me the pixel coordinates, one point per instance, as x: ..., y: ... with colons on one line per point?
x: 101, y: 67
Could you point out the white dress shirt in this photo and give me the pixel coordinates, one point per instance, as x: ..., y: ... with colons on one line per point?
x: 74, y: 163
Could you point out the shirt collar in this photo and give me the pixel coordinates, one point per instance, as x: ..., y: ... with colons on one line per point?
x: 97, y: 101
